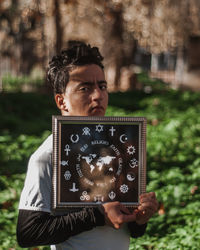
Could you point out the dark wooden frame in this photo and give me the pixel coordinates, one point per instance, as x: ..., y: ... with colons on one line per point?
x: 89, y: 130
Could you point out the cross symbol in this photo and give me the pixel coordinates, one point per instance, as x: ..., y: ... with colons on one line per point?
x: 112, y: 130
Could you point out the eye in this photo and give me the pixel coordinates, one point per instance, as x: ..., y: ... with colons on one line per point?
x: 84, y: 89
x: 103, y: 87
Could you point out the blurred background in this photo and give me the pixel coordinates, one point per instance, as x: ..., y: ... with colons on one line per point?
x: 160, y: 36
x: 151, y: 52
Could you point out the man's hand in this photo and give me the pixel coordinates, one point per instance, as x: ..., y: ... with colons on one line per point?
x: 148, y: 206
x: 116, y: 214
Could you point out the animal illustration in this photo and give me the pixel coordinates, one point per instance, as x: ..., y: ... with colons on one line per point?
x: 100, y: 163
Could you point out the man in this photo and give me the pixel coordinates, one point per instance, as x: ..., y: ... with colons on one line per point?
x: 80, y: 89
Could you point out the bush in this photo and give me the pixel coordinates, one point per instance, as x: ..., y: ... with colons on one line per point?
x: 18, y: 83
x: 173, y: 164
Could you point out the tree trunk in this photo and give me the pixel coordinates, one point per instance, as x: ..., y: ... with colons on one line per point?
x: 59, y: 32
x: 113, y: 46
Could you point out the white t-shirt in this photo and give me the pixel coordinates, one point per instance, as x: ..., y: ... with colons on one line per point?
x: 36, y: 196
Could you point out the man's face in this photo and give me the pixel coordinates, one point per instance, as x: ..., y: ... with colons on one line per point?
x: 86, y: 92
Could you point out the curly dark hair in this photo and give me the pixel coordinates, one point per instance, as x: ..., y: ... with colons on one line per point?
x: 77, y: 54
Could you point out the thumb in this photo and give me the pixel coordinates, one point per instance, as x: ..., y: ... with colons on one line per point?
x: 116, y: 226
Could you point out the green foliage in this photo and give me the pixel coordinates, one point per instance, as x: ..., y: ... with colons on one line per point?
x: 17, y: 83
x: 173, y: 159
x: 26, y: 113
x: 157, y: 85
x: 173, y: 164
x: 25, y: 123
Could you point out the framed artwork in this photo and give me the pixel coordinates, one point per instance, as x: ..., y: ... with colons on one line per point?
x: 97, y: 160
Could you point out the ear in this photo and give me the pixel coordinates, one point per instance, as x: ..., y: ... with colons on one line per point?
x: 61, y: 102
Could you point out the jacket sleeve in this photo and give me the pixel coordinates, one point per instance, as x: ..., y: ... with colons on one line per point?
x: 136, y: 230
x: 36, y: 228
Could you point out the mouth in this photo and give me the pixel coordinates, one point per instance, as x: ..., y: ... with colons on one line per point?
x: 97, y: 109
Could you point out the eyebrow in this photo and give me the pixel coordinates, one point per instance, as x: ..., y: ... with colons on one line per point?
x: 88, y: 82
x: 99, y: 82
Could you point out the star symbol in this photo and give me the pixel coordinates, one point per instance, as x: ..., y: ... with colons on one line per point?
x: 99, y: 128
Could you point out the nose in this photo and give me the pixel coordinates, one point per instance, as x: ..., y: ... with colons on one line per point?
x: 97, y: 93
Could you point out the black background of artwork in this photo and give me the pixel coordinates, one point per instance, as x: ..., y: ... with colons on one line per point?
x: 132, y: 133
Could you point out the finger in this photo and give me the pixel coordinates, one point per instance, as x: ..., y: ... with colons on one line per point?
x: 147, y: 210
x: 148, y: 198
x: 145, y: 213
x: 150, y: 195
x: 144, y: 200
x: 129, y: 218
x: 149, y: 204
x: 152, y: 208
x: 124, y: 210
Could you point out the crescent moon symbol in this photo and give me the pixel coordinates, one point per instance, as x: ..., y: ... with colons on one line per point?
x: 123, y: 138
